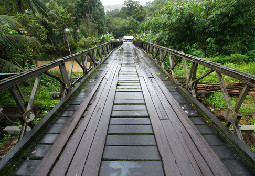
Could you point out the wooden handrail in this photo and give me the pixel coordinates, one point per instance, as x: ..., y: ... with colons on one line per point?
x: 232, y: 115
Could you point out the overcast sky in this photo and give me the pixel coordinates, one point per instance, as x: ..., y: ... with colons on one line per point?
x: 111, y: 2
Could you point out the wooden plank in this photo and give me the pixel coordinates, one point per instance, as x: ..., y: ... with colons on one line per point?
x: 32, y: 135
x: 243, y: 151
x: 83, y: 151
x: 94, y: 159
x: 82, y: 136
x: 191, y: 131
x: 55, y: 151
x: 174, y: 136
x: 167, y: 155
x: 224, y: 90
x: 174, y: 126
x: 210, y: 157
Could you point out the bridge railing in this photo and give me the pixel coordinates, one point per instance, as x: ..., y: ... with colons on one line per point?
x: 86, y: 59
x: 174, y: 58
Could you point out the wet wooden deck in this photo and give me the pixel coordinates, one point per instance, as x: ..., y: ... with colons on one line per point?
x: 133, y: 122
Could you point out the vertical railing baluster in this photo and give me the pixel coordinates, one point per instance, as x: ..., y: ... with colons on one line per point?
x: 65, y: 79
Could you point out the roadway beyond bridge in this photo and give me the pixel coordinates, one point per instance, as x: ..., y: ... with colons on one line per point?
x: 129, y: 119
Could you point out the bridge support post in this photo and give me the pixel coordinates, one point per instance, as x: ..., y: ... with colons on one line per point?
x: 95, y: 56
x: 162, y: 58
x: 171, y: 63
x: 186, y: 71
x: 17, y: 99
x: 232, y: 115
x: 191, y: 85
x: 64, y: 90
x: 28, y: 116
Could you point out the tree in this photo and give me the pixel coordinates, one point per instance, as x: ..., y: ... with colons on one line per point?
x: 13, y: 42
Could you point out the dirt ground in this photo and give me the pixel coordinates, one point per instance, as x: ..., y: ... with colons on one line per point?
x: 8, y: 145
x: 76, y: 66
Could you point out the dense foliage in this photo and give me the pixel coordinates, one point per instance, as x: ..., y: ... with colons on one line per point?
x: 33, y: 30
x: 210, y: 28
x: 127, y: 20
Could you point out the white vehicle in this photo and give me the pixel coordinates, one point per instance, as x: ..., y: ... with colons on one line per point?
x: 128, y: 38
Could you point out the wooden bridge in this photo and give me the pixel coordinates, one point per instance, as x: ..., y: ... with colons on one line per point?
x: 126, y: 115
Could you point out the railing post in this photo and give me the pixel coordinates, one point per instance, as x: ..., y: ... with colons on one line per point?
x: 71, y: 68
x: 186, y: 72
x: 161, y: 56
x: 65, y: 79
x: 21, y: 93
x: 171, y: 63
x: 18, y: 101
x: 95, y: 56
x: 230, y: 115
x: 29, y: 115
x: 192, y: 76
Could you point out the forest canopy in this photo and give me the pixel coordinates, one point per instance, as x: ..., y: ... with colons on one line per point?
x: 34, y: 30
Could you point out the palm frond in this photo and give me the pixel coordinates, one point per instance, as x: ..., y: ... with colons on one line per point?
x: 38, y: 7
x: 17, y: 41
x: 9, y: 38
x: 8, y: 67
x: 10, y: 20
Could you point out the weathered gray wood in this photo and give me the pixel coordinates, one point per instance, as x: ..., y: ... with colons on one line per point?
x: 176, y: 62
x: 186, y: 71
x: 210, y: 157
x: 21, y: 93
x: 224, y: 90
x: 29, y: 115
x: 78, y: 147
x: 81, y: 64
x: 192, y: 76
x: 46, y: 165
x: 201, y: 77
x: 65, y: 79
x: 162, y: 59
x: 94, y: 159
x: 170, y: 166
x: 183, y: 159
x: 242, y: 97
x: 55, y: 77
x: 33, y: 94
x: 193, y: 140
x: 17, y: 99
x: 70, y: 69
x: 171, y: 63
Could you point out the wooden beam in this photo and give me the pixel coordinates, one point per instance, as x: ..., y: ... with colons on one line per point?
x: 176, y: 63
x: 80, y: 64
x: 224, y: 90
x: 171, y: 63
x: 55, y: 77
x: 95, y: 55
x: 203, y: 76
x: 186, y: 71
x: 65, y: 79
x: 33, y: 94
x: 71, y: 68
x: 17, y: 99
x: 21, y: 93
x: 242, y: 97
